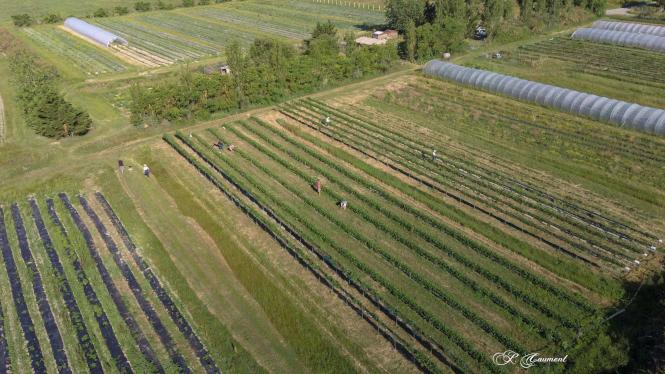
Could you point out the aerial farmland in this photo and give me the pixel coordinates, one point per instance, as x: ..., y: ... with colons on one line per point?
x: 331, y: 186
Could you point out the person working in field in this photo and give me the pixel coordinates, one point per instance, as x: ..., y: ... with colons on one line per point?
x: 317, y: 186
x: 121, y: 166
x: 434, y: 155
x: 219, y: 145
x: 146, y: 170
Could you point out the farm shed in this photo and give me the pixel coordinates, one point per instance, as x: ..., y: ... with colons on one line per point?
x: 93, y: 32
x: 626, y: 39
x: 603, y: 109
x: 639, y: 28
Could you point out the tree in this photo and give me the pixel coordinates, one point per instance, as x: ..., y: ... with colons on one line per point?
x: 204, y: 2
x: 188, y: 3
x: 321, y: 29
x: 51, y: 18
x: 400, y: 12
x: 100, y: 13
x: 410, y: 41
x: 142, y: 6
x: 120, y: 10
x: 22, y: 20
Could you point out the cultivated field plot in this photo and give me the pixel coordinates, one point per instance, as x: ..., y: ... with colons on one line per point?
x: 163, y: 38
x: 83, y: 299
x: 622, y: 73
x: 90, y: 59
x: 418, y: 239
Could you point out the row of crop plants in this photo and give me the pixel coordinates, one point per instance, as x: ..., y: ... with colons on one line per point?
x: 156, y: 41
x: 511, y: 124
x: 449, y: 340
x: 92, y: 60
x: 515, y: 189
x: 586, y: 137
x: 255, y: 185
x: 276, y: 229
x: 66, y: 316
x: 603, y: 59
x: 396, y: 150
x: 400, y: 213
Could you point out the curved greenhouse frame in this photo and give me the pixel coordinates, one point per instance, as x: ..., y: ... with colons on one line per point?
x: 621, y: 113
x: 639, y: 28
x: 93, y: 32
x: 626, y: 39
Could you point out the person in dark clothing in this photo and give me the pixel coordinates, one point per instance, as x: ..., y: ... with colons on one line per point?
x: 121, y: 166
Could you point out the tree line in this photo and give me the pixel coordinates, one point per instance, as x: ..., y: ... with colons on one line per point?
x: 268, y: 71
x: 431, y: 27
x: 44, y: 108
x: 27, y: 20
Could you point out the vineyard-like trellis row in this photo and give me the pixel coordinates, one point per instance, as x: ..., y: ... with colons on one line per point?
x: 638, y: 148
x: 585, y: 217
x: 481, y: 250
x: 121, y: 362
x: 488, y: 188
x: 89, y: 58
x: 176, y: 316
x: 474, y: 178
x: 498, y: 133
x: 521, y: 318
x: 352, y: 259
x: 426, y: 219
x: 52, y: 329
x: 82, y: 334
x: 27, y: 325
x: 134, y: 328
x: 371, y: 146
x: 415, y: 356
x: 392, y: 259
x: 137, y: 291
x: 479, y: 192
x: 201, y: 30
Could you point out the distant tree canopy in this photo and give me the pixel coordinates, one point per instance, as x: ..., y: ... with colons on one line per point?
x: 45, y: 110
x: 267, y: 72
x: 142, y: 6
x: 22, y: 20
x: 431, y: 27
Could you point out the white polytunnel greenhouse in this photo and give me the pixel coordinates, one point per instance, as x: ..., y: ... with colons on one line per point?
x: 639, y: 28
x: 621, y: 113
x: 626, y: 39
x: 93, y: 32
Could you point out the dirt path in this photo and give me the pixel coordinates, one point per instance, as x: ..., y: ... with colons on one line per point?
x: 617, y: 12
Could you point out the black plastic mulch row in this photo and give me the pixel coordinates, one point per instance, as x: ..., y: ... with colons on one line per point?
x: 137, y: 333
x: 148, y: 310
x: 52, y: 330
x: 91, y: 357
x: 5, y: 366
x: 177, y: 317
x: 105, y: 327
x: 34, y: 349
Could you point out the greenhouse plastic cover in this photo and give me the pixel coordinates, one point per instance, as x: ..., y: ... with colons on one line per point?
x: 621, y: 113
x: 639, y: 28
x: 93, y: 32
x: 627, y: 39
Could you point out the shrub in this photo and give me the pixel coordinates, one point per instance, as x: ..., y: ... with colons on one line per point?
x: 22, y: 20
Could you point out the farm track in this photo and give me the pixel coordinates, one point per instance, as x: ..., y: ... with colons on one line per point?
x: 275, y: 229
x: 414, y: 163
x: 52, y: 329
x: 82, y: 334
x: 134, y: 328
x: 121, y: 362
x: 27, y: 325
x: 135, y: 287
x: 176, y: 315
